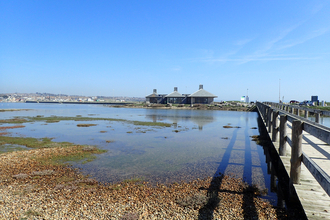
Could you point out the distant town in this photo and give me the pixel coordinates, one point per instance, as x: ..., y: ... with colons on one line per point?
x: 23, y: 97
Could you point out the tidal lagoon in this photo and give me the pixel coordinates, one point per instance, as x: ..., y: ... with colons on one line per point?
x: 198, y: 143
x: 153, y: 146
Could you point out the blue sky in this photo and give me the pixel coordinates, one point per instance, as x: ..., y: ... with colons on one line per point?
x: 129, y: 48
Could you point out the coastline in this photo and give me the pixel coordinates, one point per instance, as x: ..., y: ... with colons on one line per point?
x: 226, y: 107
x: 28, y: 191
x: 33, y: 189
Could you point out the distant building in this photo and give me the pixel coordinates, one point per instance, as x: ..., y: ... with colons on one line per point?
x: 175, y: 97
x: 201, y: 96
x: 155, y: 98
x: 315, y: 99
x: 247, y: 99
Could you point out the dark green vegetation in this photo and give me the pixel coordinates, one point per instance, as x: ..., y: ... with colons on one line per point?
x: 85, y: 125
x: 15, y: 120
x: 11, y: 110
x: 229, y: 126
x: 327, y: 108
x: 79, y: 118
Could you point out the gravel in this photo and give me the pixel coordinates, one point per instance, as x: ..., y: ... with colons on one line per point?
x: 33, y: 190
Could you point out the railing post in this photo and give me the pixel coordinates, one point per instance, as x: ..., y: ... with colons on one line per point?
x: 317, y: 117
x: 283, y: 134
x: 306, y: 114
x: 263, y: 110
x: 270, y: 114
x: 266, y: 115
x: 298, y: 112
x: 296, y: 151
x: 275, y: 127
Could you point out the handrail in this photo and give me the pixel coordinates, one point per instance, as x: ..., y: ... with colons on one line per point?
x: 315, y: 111
x: 270, y: 113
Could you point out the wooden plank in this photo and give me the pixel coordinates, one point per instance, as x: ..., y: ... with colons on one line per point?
x: 318, y: 132
x: 322, y: 177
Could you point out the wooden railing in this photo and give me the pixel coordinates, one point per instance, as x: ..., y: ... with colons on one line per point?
x: 276, y: 116
x: 296, y: 109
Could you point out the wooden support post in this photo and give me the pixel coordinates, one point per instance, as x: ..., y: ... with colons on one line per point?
x: 263, y: 111
x: 268, y: 161
x: 306, y: 114
x: 283, y: 134
x: 273, y: 180
x: 266, y: 115
x: 296, y: 151
x: 280, y: 196
x: 298, y: 112
x: 270, y: 114
x: 275, y: 127
x: 317, y: 117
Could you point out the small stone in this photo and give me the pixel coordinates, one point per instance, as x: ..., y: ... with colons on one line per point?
x: 20, y: 176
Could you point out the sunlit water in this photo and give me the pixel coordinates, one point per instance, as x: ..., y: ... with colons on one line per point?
x: 195, y: 146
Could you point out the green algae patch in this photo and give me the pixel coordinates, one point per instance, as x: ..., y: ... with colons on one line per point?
x: 133, y: 180
x: 13, y: 110
x: 32, y: 142
x: 86, y: 125
x: 80, y: 118
x: 73, y: 154
x: 145, y: 123
x: 66, y: 152
x: 4, y: 148
x: 14, y: 121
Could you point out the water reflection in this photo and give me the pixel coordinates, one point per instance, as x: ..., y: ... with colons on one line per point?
x: 200, y: 118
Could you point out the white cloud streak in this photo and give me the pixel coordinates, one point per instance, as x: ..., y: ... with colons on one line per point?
x: 242, y: 42
x: 265, y: 58
x: 308, y: 37
x: 271, y: 47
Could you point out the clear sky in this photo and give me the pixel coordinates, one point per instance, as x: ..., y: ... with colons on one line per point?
x: 129, y: 48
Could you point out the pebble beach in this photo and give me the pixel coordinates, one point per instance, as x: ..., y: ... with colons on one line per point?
x: 31, y: 189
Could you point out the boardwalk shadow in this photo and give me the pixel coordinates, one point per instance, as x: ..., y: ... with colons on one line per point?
x: 213, y: 199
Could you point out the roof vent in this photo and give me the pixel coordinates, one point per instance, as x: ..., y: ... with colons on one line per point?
x: 200, y: 86
x: 155, y: 91
x: 175, y: 89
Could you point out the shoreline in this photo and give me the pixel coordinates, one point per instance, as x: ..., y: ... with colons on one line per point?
x: 30, y: 189
x: 188, y: 107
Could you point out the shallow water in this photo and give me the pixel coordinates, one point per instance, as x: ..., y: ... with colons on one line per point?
x: 195, y: 146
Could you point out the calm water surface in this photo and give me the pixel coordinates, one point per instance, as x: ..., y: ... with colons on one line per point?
x: 195, y: 146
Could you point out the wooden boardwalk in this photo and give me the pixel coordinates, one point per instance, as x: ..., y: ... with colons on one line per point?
x: 314, y: 199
